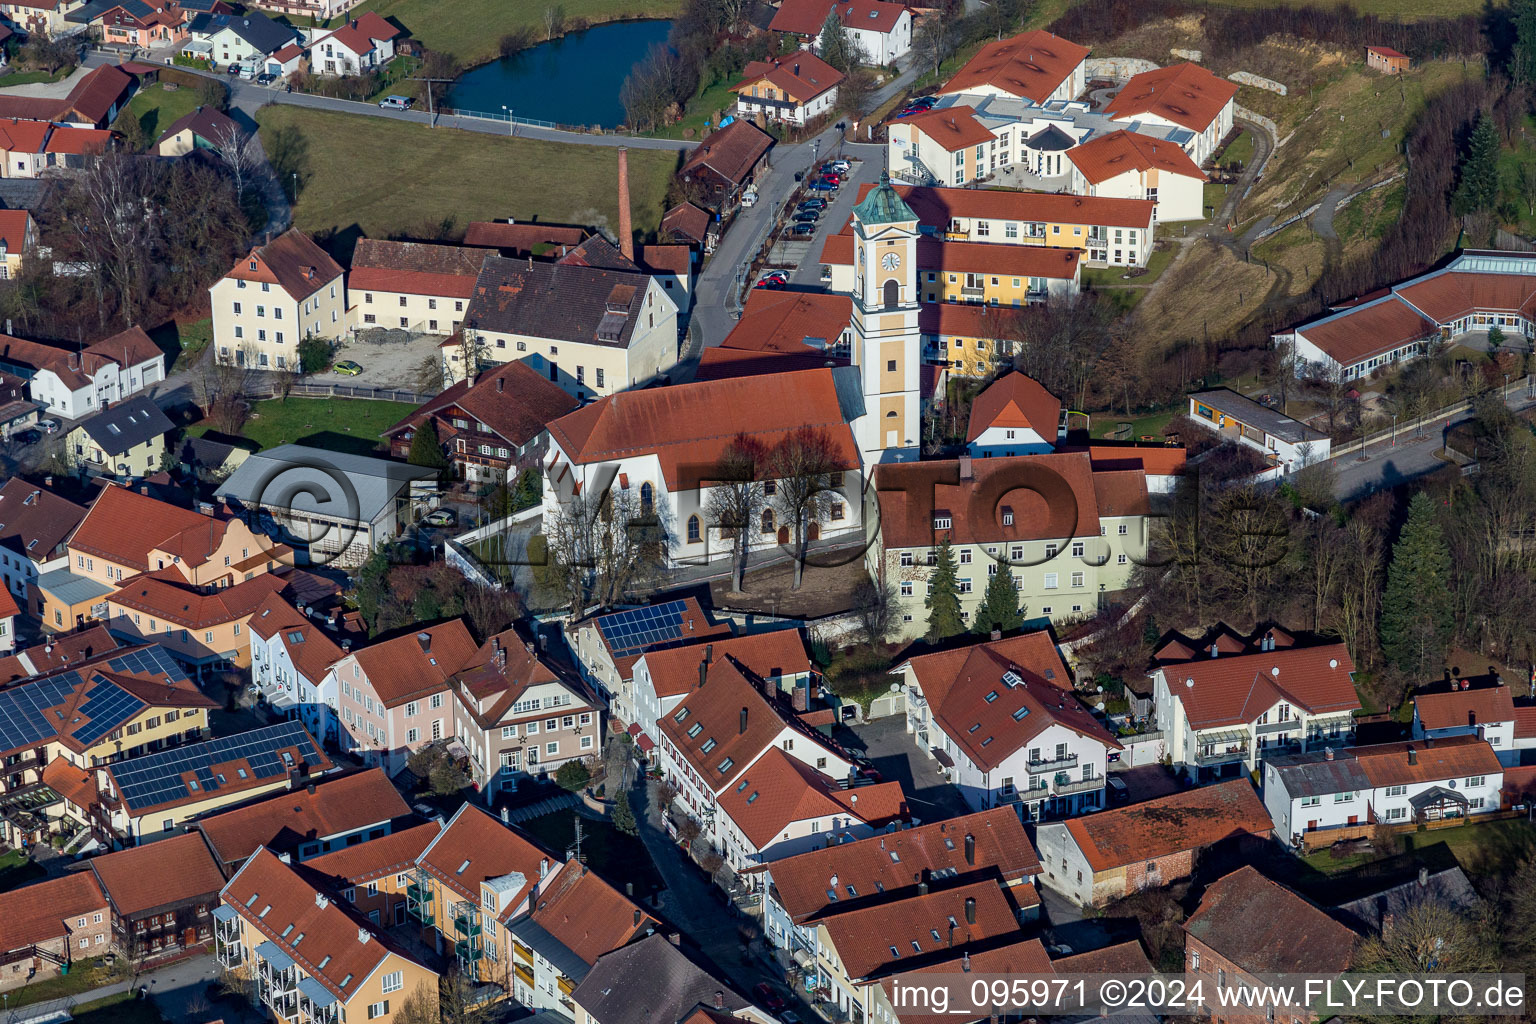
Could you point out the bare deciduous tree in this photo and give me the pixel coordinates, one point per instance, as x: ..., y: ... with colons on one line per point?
x: 802, y: 466
x: 113, y: 224
x: 241, y: 153
x: 600, y: 549
x: 874, y: 601
x: 737, y: 498
x: 554, y: 21
x: 934, y: 42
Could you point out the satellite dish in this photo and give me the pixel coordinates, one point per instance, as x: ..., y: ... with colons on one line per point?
x: 1190, y: 682
x: 895, y: 687
x: 1333, y: 662
x: 1275, y: 671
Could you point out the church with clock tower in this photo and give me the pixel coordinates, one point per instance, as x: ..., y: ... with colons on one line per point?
x: 887, y: 345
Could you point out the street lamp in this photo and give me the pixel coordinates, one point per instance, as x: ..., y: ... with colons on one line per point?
x: 511, y: 124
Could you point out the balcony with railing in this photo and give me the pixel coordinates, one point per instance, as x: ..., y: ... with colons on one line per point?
x: 1054, y: 763
x: 277, y: 980
x: 1222, y: 754
x: 466, y: 943
x: 317, y: 1004
x: 972, y: 293
x: 226, y: 937
x: 419, y: 896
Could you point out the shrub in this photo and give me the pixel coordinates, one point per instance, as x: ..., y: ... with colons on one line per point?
x: 573, y: 775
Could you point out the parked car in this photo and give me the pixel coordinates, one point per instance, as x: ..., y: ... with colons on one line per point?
x: 1119, y: 793
x: 247, y: 72
x: 840, y: 166
x: 807, y: 216
x: 49, y: 426
x: 266, y: 78
x: 347, y: 368
x: 397, y: 102
x: 923, y: 103
x: 832, y: 176
x: 233, y: 69
x: 749, y: 197
x: 441, y: 517
x: 774, y: 279
x: 768, y: 999
x: 812, y: 204
x: 801, y: 230
x: 28, y: 437
x: 822, y: 186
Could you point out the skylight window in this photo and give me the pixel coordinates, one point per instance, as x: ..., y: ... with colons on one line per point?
x: 949, y: 844
x: 895, y: 952
x: 973, y: 728
x: 1019, y: 715
x: 347, y: 980
x: 753, y: 797
x: 742, y: 785
x: 852, y: 892
x: 991, y: 696
x: 986, y: 741
x: 935, y: 933
x: 895, y: 857
x: 682, y: 713
x: 265, y: 910
x: 324, y: 962
x: 695, y: 729
x: 915, y: 947
x: 709, y: 745
x: 727, y: 765
x: 251, y: 902
x: 461, y: 868
x: 286, y: 931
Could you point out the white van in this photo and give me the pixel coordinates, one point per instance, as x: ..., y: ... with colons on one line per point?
x: 397, y: 102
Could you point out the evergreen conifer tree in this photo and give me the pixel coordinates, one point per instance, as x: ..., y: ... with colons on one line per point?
x: 999, y: 605
x: 943, y: 600
x: 1416, y: 612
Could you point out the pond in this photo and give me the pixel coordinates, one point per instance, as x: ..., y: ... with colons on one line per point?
x: 572, y: 80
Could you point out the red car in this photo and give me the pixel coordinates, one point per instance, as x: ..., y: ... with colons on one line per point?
x: 832, y: 176
x: 770, y: 1000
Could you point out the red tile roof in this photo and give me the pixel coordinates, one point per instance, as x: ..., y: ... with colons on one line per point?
x: 666, y: 421
x: 514, y: 400
x: 587, y: 915
x: 1119, y: 152
x: 292, y: 261
x: 937, y: 207
x: 45, y: 911
x: 1265, y: 928
x: 722, y: 745
x: 686, y: 220
x: 73, y: 783
x: 416, y: 664
x: 520, y: 239
x: 666, y: 259
x: 958, y: 684
x: 324, y: 931
x: 876, y: 940
x: 1125, y: 959
x: 952, y: 128
x: 675, y: 670
x: 377, y: 858
x: 935, y: 254
x: 358, y: 35
x: 695, y: 626
x: 1153, y: 459
x: 1450, y: 757
x: 143, y: 878
x: 1014, y: 400
x: 1525, y: 722
x: 161, y: 595
x: 1171, y: 824
x: 8, y: 608
x: 124, y: 526
x: 1387, y: 51
x: 34, y: 520
x: 1051, y: 496
x: 779, y: 790
x: 1186, y: 94
x: 79, y: 141
x: 1233, y: 689
x: 475, y: 847
x: 1027, y: 956
x: 721, y: 363
x: 806, y: 17
x: 1367, y: 330
x: 18, y: 136
x: 889, y: 866
x: 1031, y: 65
x: 414, y: 268
x: 807, y: 323
x: 285, y: 822
x: 94, y: 96
x: 1458, y: 709
x: 13, y: 230
x: 312, y: 653
x: 802, y: 75
x: 1450, y: 295
x: 731, y: 152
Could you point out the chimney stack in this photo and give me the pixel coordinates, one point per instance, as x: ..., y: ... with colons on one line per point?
x: 1413, y: 756
x: 997, y: 634
x: 965, y: 467
x: 970, y: 910
x: 626, y: 230
x: 719, y: 1000
x: 970, y: 849
x: 743, y: 721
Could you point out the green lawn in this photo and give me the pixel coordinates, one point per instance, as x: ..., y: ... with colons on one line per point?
x: 1484, y: 849
x: 17, y: 869
x: 158, y: 109
x: 1240, y: 150
x: 472, y: 29
x: 618, y: 858
x: 34, y: 77
x: 183, y: 342
x: 717, y: 99
x: 120, y: 1009
x: 1105, y: 423
x: 335, y: 424
x: 83, y: 976
x: 362, y: 167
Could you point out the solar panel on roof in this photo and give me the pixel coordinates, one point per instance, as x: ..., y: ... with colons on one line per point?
x: 107, y: 709
x: 157, y: 779
x: 23, y: 709
x: 631, y: 631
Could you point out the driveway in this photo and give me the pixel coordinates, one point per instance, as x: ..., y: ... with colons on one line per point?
x: 895, y: 755
x: 46, y: 90
x: 390, y: 359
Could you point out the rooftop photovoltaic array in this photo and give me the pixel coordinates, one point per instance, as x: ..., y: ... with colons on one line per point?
x: 107, y: 708
x: 161, y: 778
x: 635, y: 630
x: 23, y: 709
x: 151, y: 661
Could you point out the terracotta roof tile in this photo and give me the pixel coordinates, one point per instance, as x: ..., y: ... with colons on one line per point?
x: 416, y: 663
x: 1525, y: 722
x: 17, y: 136
x: 188, y: 608
x: 34, y: 520
x: 731, y: 152
x: 880, y: 939
x: 286, y: 821
x: 78, y: 141
x: 1031, y: 65
x: 685, y: 220
x: 204, y: 122
x: 358, y: 35
x: 958, y: 682
x: 675, y: 670
x: 39, y: 913
x: 587, y: 915
x: 1368, y: 329
x: 1451, y: 757
x: 1051, y: 262
x: 474, y: 847
x: 1449, y: 294
x: 937, y: 207
x: 1459, y: 709
x: 514, y: 400
x: 520, y: 239
x: 1014, y: 400
x: 73, y: 783
x: 1387, y: 51
x: 666, y: 259
x: 708, y: 731
x: 778, y: 790
x: 806, y: 17
x: 1153, y: 459
x: 807, y: 323
x: 377, y: 858
x: 415, y: 268
x: 142, y: 878
x: 1026, y: 956
x: 952, y: 128
x: 1171, y: 824
x: 890, y: 866
x: 1186, y: 94
x: 1125, y: 959
x: 313, y: 654
x: 694, y: 626
x: 717, y: 363
x: 1118, y: 152
x: 13, y: 229
x: 124, y: 525
x: 1236, y: 688
x: 292, y: 261
x: 802, y: 75
x: 1265, y: 928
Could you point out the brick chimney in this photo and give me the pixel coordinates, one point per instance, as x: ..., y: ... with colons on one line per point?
x: 626, y: 229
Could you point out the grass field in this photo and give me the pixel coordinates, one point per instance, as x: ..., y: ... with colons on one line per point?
x: 17, y: 869
x: 336, y: 424
x: 617, y: 857
x: 183, y: 342
x: 1483, y: 849
x: 34, y: 77
x: 83, y: 976
x: 1152, y: 424
x: 472, y: 29
x: 364, y: 168
x: 158, y: 109
x: 119, y: 1009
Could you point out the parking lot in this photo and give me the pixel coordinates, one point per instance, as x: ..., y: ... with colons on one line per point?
x: 390, y: 359
x: 895, y: 755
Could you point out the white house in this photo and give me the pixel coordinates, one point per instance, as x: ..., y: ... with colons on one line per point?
x: 1183, y: 96
x: 710, y: 747
x: 76, y: 383
x: 291, y: 661
x: 34, y: 525
x: 882, y: 31
x: 278, y: 294
x: 796, y: 88
x: 235, y: 38
x: 1487, y: 712
x: 363, y: 44
x: 1285, y: 442
x: 8, y: 612
x: 1225, y: 704
x: 1127, y: 165
x: 664, y: 445
x: 1037, y: 66
x: 1005, y: 724
x: 1015, y: 415
x: 1391, y: 783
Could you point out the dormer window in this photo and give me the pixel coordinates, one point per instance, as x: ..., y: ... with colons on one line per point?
x: 942, y: 521
x: 1007, y: 516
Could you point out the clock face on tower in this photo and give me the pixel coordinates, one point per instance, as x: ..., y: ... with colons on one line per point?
x: 890, y: 261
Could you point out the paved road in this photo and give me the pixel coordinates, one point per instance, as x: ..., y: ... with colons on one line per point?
x: 248, y: 97
x: 1388, y: 464
x: 176, y: 990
